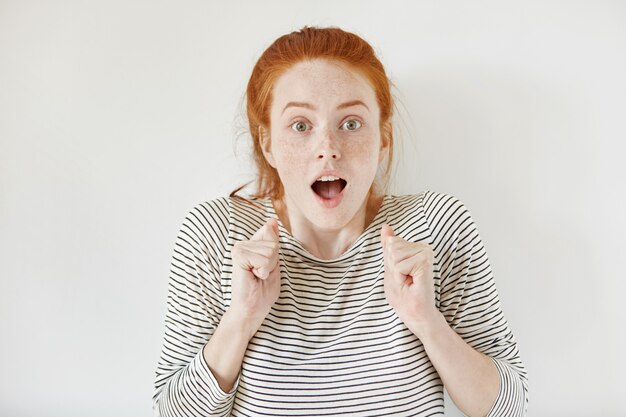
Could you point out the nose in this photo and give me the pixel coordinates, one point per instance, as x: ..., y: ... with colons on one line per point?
x: 328, y: 148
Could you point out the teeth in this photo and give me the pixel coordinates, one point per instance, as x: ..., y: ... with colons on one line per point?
x: 328, y: 178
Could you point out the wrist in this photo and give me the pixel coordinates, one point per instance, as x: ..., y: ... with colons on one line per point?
x: 237, y: 325
x: 427, y: 328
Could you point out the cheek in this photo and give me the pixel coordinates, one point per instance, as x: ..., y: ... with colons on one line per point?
x: 288, y: 155
x: 363, y: 154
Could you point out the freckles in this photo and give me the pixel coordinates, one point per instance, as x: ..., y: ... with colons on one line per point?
x: 359, y: 148
x: 290, y: 153
x: 291, y: 159
x: 364, y: 152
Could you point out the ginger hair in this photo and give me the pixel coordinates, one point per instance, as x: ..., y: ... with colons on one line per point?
x: 311, y: 43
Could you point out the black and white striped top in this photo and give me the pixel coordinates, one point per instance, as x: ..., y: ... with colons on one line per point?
x: 331, y: 344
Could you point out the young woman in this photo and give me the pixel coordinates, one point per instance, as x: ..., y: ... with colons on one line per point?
x: 322, y: 295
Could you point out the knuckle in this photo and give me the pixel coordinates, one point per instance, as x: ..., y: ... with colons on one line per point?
x: 237, y: 248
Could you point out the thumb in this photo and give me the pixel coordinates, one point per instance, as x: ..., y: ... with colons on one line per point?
x: 269, y: 231
x: 385, y: 232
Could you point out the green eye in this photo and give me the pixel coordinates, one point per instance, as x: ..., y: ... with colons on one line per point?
x: 352, y: 125
x: 299, y: 126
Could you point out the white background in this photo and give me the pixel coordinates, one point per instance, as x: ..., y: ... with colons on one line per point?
x: 116, y: 117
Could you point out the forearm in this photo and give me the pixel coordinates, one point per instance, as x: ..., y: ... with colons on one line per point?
x: 187, y: 382
x: 469, y: 376
x: 225, y: 350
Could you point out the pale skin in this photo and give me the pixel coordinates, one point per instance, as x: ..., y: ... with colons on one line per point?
x: 469, y: 376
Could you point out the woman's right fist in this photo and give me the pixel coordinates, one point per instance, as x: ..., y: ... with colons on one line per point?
x: 256, y: 276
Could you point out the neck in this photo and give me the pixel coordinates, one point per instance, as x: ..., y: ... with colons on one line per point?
x: 329, y: 243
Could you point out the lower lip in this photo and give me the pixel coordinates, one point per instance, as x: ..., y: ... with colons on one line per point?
x: 330, y: 202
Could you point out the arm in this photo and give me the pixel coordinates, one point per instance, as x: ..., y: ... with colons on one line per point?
x: 255, y: 287
x: 470, y: 377
x: 466, y: 336
x: 470, y: 305
x: 184, y: 384
x: 204, y: 346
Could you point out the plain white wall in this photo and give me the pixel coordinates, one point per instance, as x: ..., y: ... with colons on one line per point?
x: 116, y: 117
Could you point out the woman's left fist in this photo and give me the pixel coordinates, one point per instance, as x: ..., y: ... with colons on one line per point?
x: 409, y: 286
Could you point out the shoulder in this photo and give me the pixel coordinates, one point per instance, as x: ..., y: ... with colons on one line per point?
x: 226, y: 210
x: 431, y: 204
x: 439, y: 213
x: 452, y: 229
x: 210, y: 227
x: 229, y: 218
x: 209, y: 214
x: 440, y: 207
x: 206, y: 225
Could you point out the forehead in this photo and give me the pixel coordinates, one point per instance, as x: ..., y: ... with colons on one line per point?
x: 321, y: 81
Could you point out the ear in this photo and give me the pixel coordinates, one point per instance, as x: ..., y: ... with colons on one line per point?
x: 385, y: 139
x: 265, y: 142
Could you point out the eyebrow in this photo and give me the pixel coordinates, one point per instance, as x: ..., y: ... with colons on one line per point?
x: 311, y: 107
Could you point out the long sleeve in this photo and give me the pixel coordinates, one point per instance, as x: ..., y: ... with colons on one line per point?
x: 469, y: 301
x: 184, y: 385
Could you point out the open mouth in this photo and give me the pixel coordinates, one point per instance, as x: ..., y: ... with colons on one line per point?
x: 329, y: 188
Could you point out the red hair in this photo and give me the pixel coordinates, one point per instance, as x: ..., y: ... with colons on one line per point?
x: 306, y: 44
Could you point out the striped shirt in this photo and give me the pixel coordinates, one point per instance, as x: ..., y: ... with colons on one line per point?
x: 331, y: 344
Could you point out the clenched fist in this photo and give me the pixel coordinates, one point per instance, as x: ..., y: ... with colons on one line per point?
x: 256, y: 276
x: 409, y: 286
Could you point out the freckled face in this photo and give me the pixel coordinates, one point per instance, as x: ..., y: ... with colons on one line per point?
x: 324, y: 121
